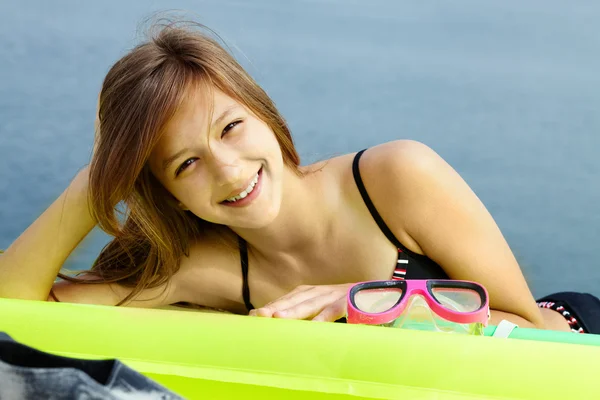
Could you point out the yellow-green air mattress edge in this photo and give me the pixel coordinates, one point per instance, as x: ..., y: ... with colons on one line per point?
x: 220, y: 356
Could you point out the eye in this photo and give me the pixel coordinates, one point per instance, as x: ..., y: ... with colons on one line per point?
x: 184, y: 165
x: 230, y: 127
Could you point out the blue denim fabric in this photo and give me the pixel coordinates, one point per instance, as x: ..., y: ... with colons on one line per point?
x: 26, y: 373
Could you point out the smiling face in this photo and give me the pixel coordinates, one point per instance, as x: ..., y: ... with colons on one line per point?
x: 223, y: 164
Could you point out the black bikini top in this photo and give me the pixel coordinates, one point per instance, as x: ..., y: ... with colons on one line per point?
x: 410, y: 265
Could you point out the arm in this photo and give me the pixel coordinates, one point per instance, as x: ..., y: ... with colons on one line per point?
x: 30, y: 265
x: 434, y: 212
x: 112, y: 294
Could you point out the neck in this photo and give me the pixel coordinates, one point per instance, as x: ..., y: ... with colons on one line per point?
x: 303, y: 221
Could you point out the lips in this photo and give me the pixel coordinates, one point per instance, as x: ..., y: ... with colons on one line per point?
x: 243, y: 191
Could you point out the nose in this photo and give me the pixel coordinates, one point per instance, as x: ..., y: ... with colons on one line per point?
x: 225, y: 166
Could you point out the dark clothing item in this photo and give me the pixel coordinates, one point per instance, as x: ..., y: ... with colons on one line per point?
x: 30, y: 374
x: 581, y: 310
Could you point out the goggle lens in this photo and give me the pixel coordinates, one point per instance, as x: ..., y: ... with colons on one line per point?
x: 379, y: 300
x: 455, y: 299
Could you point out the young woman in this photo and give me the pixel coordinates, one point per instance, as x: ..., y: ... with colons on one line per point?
x: 219, y: 212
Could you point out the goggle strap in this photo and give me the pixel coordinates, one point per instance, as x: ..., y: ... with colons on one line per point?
x: 504, y: 329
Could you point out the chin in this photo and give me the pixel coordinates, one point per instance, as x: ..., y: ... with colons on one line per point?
x: 266, y: 217
x: 260, y: 216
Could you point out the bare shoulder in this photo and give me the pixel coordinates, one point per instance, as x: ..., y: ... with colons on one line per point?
x: 405, y: 180
x: 407, y: 169
x: 404, y: 157
x: 400, y: 158
x: 401, y: 173
x: 210, y: 274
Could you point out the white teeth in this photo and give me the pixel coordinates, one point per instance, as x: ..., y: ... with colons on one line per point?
x: 246, y: 192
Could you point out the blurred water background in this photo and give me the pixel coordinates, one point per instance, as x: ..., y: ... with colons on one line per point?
x: 507, y: 92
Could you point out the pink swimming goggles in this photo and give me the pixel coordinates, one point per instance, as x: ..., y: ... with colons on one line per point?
x: 459, y: 303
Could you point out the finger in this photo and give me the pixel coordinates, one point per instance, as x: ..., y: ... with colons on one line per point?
x: 293, y: 293
x: 308, y: 308
x: 332, y: 313
x: 291, y: 299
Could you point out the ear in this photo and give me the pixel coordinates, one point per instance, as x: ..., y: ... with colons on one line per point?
x: 182, y: 206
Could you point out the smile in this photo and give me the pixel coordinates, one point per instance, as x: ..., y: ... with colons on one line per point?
x: 244, y: 192
x: 246, y: 195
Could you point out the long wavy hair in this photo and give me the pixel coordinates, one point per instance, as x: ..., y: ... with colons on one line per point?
x: 139, y: 95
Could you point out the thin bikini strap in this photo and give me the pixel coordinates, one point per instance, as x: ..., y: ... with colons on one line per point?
x: 245, y: 287
x: 365, y: 196
x: 427, y: 268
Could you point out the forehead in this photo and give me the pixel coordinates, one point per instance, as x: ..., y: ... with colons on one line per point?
x: 200, y: 106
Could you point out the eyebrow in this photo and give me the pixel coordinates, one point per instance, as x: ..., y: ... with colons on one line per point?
x: 224, y: 115
x: 168, y: 161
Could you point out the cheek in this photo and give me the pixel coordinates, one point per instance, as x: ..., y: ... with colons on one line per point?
x: 200, y: 207
x: 260, y: 135
x: 191, y: 193
x: 195, y: 194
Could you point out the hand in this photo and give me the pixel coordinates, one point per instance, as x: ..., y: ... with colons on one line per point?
x: 319, y: 303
